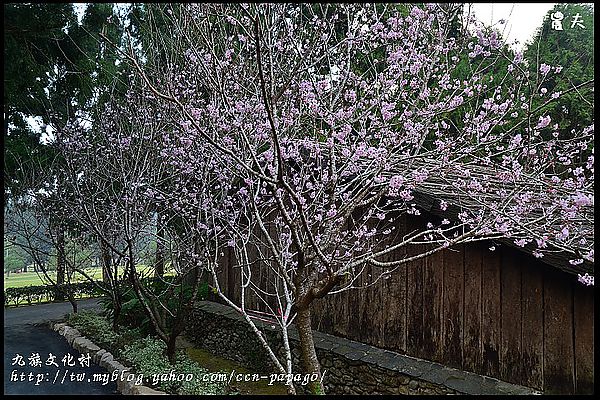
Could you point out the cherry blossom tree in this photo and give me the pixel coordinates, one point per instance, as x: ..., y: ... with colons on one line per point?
x: 117, y: 178
x: 321, y: 124
x: 41, y: 227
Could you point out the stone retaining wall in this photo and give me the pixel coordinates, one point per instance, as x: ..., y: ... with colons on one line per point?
x: 104, y: 359
x: 349, y: 367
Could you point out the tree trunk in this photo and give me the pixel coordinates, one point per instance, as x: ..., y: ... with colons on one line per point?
x: 73, y: 302
x: 106, y: 262
x: 172, y: 348
x: 308, y: 354
x: 60, y: 263
x: 116, y: 311
x: 159, y: 264
x: 190, y: 278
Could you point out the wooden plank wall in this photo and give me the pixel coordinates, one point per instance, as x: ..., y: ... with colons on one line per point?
x: 499, y: 313
x: 502, y: 314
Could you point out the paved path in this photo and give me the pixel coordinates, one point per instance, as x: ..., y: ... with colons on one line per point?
x: 26, y: 331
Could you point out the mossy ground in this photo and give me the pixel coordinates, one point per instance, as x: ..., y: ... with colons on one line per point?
x: 216, y: 363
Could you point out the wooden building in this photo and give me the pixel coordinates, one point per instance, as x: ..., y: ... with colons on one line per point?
x: 501, y: 313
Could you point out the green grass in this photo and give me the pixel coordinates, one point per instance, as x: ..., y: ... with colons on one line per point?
x: 33, y: 278
x: 22, y: 279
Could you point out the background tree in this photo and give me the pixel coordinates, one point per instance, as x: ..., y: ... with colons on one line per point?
x: 14, y: 258
x: 55, y: 67
x: 572, y: 51
x: 33, y: 38
x: 115, y: 198
x: 56, y: 70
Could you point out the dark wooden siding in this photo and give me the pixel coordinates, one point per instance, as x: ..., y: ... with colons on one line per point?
x: 499, y: 313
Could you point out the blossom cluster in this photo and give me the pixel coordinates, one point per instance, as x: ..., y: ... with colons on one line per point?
x: 329, y: 123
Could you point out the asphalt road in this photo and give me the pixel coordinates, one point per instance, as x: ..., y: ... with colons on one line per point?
x: 26, y: 332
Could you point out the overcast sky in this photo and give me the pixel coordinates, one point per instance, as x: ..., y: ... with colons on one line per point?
x: 522, y: 19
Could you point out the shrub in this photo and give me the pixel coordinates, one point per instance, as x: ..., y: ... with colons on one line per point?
x: 39, y: 293
x: 147, y: 357
x: 132, y: 311
x: 144, y: 355
x: 94, y: 326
